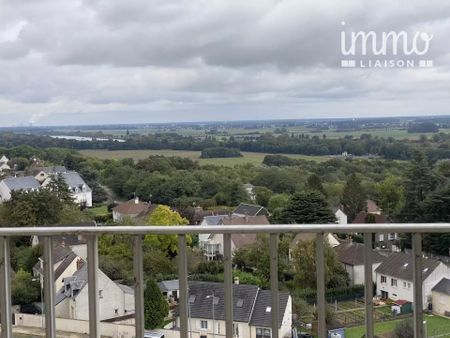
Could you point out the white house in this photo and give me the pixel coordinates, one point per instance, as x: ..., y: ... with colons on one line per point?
x: 251, y: 311
x: 66, y: 262
x: 4, y: 167
x: 131, y: 209
x: 441, y: 297
x: 10, y: 184
x: 80, y: 191
x: 250, y: 189
x: 395, y: 277
x: 341, y: 216
x: 212, y: 244
x: 72, y: 301
x: 351, y: 255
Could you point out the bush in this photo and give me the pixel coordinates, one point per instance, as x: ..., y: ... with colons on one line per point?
x: 404, y: 329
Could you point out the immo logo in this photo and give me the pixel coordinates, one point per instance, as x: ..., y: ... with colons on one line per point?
x: 385, y: 49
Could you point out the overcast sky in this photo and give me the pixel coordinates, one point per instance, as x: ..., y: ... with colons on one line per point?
x: 106, y: 61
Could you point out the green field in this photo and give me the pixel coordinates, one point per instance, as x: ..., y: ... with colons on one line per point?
x: 435, y: 326
x: 253, y: 158
x: 243, y: 132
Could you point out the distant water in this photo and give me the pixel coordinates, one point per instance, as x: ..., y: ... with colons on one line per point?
x: 85, y: 138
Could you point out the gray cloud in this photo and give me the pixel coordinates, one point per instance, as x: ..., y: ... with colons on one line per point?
x: 99, y: 61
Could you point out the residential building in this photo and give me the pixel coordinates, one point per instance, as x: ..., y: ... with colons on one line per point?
x: 132, y: 209
x: 251, y: 311
x: 79, y: 190
x: 65, y: 261
x: 72, y: 301
x: 10, y: 184
x: 351, y: 255
x: 212, y: 244
x: 394, y: 277
x: 4, y: 167
x: 170, y: 289
x: 42, y: 173
x: 245, y: 209
x: 440, y: 297
x: 250, y: 189
x: 306, y: 236
x: 341, y: 216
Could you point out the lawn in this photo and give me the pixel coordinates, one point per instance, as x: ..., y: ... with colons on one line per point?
x: 435, y: 326
x: 248, y: 157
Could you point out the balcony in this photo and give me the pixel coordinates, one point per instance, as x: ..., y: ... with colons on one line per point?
x: 92, y: 234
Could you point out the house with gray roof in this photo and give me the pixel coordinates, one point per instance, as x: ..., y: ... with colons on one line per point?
x: 80, y: 191
x: 440, y: 297
x: 252, y: 311
x: 72, y: 302
x: 245, y: 209
x: 395, y: 277
x: 351, y: 256
x: 10, y: 184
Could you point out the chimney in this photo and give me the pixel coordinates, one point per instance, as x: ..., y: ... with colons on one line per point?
x: 236, y: 280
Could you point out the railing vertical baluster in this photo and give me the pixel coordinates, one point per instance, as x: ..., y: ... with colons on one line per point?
x: 228, y: 280
x: 183, y: 285
x: 92, y: 266
x: 49, y: 288
x: 321, y: 304
x: 139, y: 286
x: 417, y: 282
x: 275, y: 306
x: 368, y: 283
x: 5, y: 288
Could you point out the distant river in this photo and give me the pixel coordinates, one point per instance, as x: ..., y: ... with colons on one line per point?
x: 85, y: 138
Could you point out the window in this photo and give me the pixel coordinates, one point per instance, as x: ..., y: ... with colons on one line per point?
x: 100, y: 294
x: 393, y: 282
x: 409, y: 285
x: 235, y: 330
x: 404, y: 284
x: 204, y: 324
x: 263, y: 333
x: 383, y: 279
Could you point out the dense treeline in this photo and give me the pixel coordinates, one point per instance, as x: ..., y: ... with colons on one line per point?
x: 435, y: 147
x: 220, y: 152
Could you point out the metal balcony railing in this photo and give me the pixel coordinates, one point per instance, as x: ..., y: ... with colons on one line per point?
x: 92, y: 234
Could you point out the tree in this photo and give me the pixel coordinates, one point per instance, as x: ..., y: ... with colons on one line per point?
x: 41, y: 207
x: 156, y: 307
x: 305, y: 266
x: 59, y: 187
x: 419, y: 183
x: 163, y: 215
x: 308, y: 208
x: 314, y: 183
x: 24, y: 290
x: 263, y: 195
x: 391, y: 195
x: 353, y: 197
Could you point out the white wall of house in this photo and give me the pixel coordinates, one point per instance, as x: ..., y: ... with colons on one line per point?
x: 341, y: 217
x: 405, y: 289
x: 5, y: 193
x: 441, y: 303
x: 356, y: 273
x: 82, y: 197
x: 113, y: 302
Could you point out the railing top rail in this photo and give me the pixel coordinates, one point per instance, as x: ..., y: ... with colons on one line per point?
x: 226, y: 229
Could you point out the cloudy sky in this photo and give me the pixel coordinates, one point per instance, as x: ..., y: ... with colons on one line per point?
x: 104, y: 61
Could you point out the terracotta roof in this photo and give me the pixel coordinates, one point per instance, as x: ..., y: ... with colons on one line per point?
x: 372, y: 207
x: 243, y: 240
x: 351, y: 253
x: 132, y: 207
x: 362, y: 216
